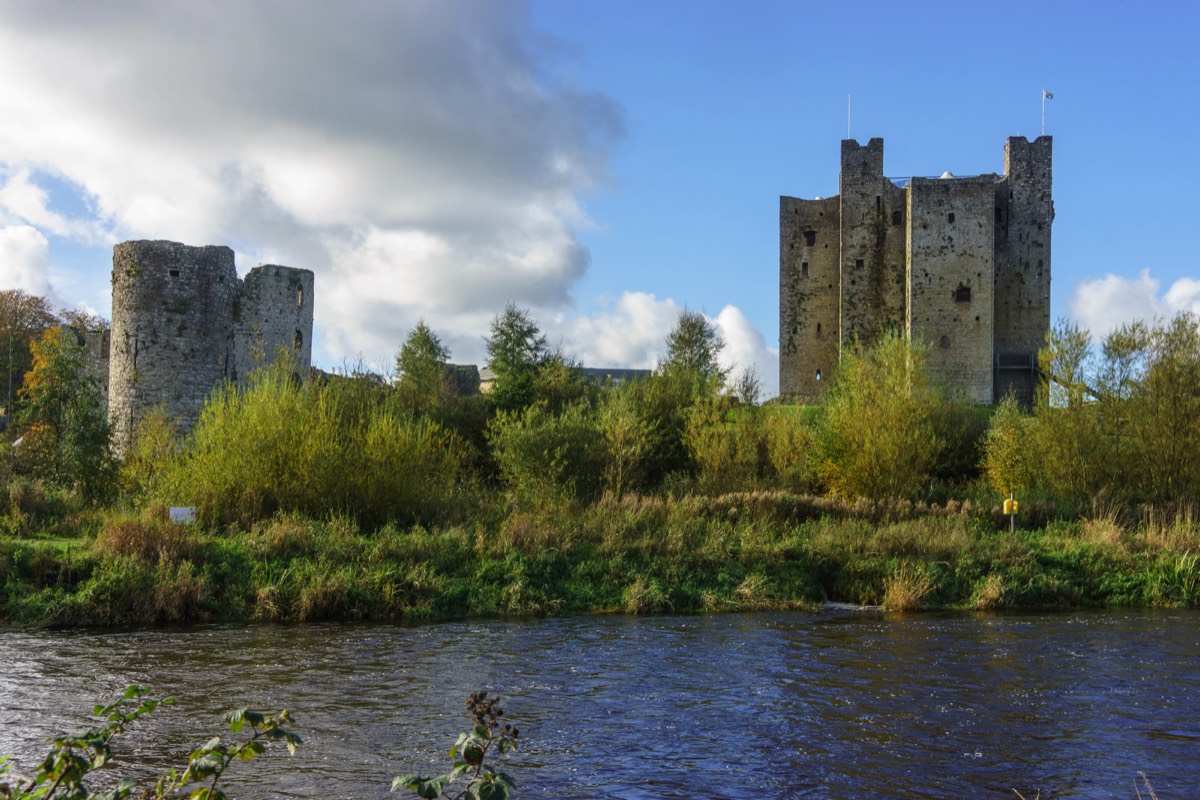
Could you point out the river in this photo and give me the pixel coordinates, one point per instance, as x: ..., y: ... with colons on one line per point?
x: 837, y: 704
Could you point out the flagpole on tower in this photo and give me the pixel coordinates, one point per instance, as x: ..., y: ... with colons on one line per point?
x: 847, y: 115
x: 1045, y: 96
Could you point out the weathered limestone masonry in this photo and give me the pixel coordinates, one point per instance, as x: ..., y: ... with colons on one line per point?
x: 962, y: 264
x: 183, y: 324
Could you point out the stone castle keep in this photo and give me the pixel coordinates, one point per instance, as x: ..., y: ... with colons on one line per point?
x: 183, y: 323
x: 962, y: 264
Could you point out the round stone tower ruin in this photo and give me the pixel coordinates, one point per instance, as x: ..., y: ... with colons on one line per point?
x: 183, y: 324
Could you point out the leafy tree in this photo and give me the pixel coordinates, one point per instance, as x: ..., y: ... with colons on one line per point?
x: 1154, y: 376
x: 547, y: 458
x: 627, y: 436
x: 65, y: 425
x: 879, y: 430
x: 692, y: 349
x: 23, y: 319
x: 728, y: 452
x: 421, y: 364
x: 1008, y: 456
x: 791, y: 449
x: 84, y: 321
x: 1067, y: 431
x: 663, y: 404
x: 559, y: 383
x: 516, y: 352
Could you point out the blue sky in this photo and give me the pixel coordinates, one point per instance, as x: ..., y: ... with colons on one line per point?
x: 603, y: 163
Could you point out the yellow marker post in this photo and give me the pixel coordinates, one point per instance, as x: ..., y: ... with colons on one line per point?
x: 1010, y: 508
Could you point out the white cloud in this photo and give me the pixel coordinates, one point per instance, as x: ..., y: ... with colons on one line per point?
x: 24, y: 254
x: 422, y: 157
x: 630, y: 333
x: 1104, y: 304
x: 746, y: 348
x: 23, y: 200
x: 633, y: 332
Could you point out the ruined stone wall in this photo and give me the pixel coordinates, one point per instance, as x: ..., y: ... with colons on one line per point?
x: 275, y: 316
x: 809, y: 268
x: 183, y: 324
x: 97, y: 345
x: 872, y: 241
x: 950, y: 279
x: 1023, y: 216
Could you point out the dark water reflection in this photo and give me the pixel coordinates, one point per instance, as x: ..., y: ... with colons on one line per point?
x: 833, y: 705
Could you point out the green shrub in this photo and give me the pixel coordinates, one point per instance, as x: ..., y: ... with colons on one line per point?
x: 791, y: 444
x: 626, y: 435
x: 879, y: 434
x: 316, y: 448
x: 549, y: 458
x: 727, y: 452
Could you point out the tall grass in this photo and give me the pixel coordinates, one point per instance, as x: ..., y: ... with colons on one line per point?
x: 627, y: 554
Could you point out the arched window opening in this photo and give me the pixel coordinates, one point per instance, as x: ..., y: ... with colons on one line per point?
x: 298, y: 341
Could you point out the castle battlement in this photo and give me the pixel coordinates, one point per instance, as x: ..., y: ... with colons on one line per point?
x: 960, y: 263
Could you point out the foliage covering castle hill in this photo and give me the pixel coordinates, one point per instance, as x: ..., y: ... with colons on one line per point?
x: 348, y: 498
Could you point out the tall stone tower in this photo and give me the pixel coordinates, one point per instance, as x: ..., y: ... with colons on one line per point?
x: 962, y: 264
x: 183, y: 324
x: 1023, y: 213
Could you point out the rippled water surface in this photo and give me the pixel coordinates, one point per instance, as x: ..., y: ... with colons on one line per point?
x: 831, y: 705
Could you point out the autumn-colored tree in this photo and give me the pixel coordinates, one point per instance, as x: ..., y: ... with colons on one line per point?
x: 23, y: 318
x: 67, y: 434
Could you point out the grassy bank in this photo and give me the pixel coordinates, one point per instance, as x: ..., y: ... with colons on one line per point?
x: 635, y: 555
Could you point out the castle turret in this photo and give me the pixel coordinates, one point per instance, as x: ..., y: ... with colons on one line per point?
x: 172, y: 330
x: 1023, y: 216
x: 872, y: 242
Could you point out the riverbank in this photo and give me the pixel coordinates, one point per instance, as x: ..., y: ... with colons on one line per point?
x: 633, y: 556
